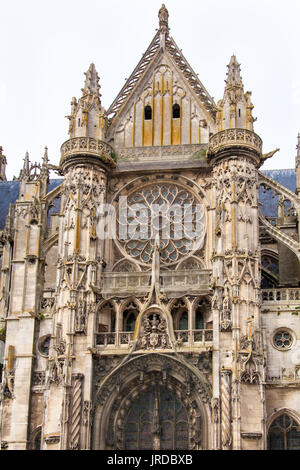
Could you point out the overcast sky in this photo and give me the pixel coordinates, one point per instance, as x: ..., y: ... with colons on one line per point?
x: 45, y: 46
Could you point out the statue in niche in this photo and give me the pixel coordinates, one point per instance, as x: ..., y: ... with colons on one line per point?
x: 225, y: 321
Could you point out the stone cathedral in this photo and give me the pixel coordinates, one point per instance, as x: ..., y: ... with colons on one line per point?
x: 126, y: 325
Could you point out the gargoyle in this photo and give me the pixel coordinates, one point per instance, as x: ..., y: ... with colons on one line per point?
x: 265, y: 156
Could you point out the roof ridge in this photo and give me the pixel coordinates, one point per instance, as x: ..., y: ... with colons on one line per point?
x: 135, y: 76
x: 191, y: 76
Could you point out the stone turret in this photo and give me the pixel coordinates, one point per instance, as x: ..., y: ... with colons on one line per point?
x: 87, y: 118
x: 235, y: 109
x: 87, y: 127
x: 235, y: 153
x: 86, y: 160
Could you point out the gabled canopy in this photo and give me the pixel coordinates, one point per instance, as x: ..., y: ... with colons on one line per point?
x: 163, y: 51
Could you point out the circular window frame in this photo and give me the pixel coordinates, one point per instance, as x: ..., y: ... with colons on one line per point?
x: 40, y: 343
x: 283, y: 330
x: 184, y: 184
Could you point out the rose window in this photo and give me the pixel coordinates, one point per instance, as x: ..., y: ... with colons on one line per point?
x: 167, y: 215
x: 283, y: 340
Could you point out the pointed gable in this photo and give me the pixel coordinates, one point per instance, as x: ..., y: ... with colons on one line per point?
x: 163, y: 102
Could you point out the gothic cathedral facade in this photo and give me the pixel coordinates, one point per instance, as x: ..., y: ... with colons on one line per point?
x: 130, y: 325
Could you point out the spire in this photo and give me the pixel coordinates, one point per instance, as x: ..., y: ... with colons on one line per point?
x: 45, y: 157
x: 234, y: 74
x: 235, y: 109
x: 26, y: 165
x: 87, y: 118
x: 298, y: 166
x: 91, y: 84
x: 298, y: 147
x: 2, y: 165
x: 163, y: 16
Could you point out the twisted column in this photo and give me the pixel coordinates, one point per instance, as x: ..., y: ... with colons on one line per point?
x: 226, y: 409
x: 76, y: 412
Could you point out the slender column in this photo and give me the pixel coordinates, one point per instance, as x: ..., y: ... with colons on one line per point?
x: 226, y: 434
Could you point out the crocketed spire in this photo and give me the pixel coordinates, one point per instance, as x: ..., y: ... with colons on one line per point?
x: 91, y: 84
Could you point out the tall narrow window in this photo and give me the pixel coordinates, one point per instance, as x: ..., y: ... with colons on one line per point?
x: 148, y: 113
x: 176, y: 111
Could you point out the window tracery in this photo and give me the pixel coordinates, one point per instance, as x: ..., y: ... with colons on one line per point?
x: 166, y: 211
x: 283, y: 339
x: 284, y: 434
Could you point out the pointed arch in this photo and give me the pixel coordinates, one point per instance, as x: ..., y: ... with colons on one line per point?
x: 136, y: 376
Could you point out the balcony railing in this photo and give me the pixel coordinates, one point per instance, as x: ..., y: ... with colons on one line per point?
x: 183, y: 337
x: 193, y: 280
x: 283, y: 295
x: 114, y: 339
x: 194, y: 337
x: 235, y: 137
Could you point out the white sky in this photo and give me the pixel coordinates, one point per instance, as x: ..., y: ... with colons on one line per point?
x: 45, y: 46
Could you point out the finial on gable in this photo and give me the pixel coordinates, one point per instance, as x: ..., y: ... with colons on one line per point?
x: 163, y: 16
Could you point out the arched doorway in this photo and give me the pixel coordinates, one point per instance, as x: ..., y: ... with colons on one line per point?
x: 151, y: 401
x: 156, y: 420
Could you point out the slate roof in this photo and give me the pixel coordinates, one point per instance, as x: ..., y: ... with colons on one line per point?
x: 9, y: 192
x: 285, y: 177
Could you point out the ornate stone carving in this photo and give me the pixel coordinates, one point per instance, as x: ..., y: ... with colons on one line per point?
x: 225, y: 319
x: 215, y: 405
x: 76, y: 412
x: 87, y: 146
x: 39, y: 378
x: 52, y: 439
x: 81, y: 317
x: 153, y: 333
x: 232, y: 137
x: 7, y: 384
x: 226, y: 409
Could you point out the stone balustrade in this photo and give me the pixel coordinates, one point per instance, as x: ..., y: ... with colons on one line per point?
x: 184, y: 338
x: 235, y: 137
x: 87, y: 146
x: 282, y: 295
x: 135, y: 282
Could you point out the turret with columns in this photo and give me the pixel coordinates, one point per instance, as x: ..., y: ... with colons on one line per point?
x: 85, y: 162
x: 235, y: 156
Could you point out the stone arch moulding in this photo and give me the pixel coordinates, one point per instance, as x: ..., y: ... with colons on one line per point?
x: 295, y: 416
x: 115, y: 394
x: 164, y: 327
x: 280, y: 411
